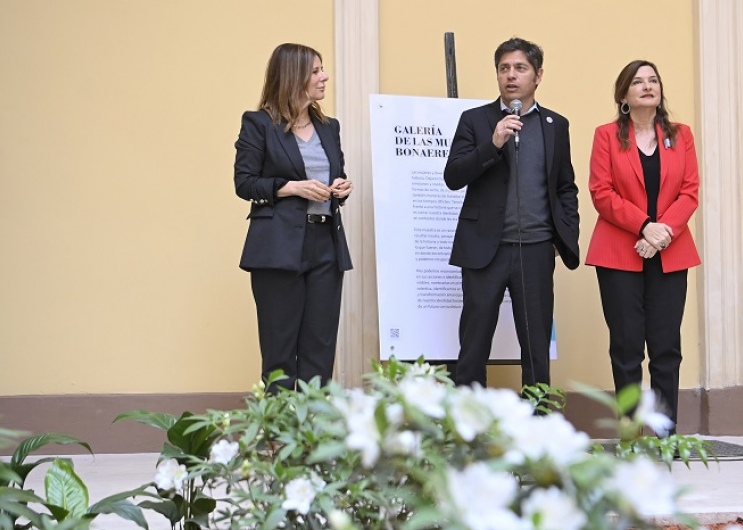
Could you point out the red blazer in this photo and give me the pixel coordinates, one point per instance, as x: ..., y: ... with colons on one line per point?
x: 617, y: 187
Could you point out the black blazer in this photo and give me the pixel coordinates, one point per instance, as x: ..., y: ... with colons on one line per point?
x: 267, y: 158
x: 475, y: 162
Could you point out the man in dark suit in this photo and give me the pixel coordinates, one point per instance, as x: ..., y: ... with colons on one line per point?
x: 520, y: 209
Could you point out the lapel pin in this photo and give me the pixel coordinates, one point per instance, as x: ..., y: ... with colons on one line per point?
x: 549, y: 119
x: 667, y: 143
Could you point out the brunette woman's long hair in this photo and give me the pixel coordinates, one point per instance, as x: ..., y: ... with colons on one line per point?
x: 284, y: 88
x: 621, y: 87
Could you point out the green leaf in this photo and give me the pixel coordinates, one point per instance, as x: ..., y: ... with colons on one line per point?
x: 595, y: 394
x: 196, y: 443
x: 14, y: 501
x: 250, y: 433
x: 7, y: 475
x: 276, y: 375
x: 166, y: 508
x: 628, y: 398
x: 169, y: 451
x: 202, y: 505
x: 23, y: 470
x: 71, y: 523
x: 302, y: 412
x: 29, y: 445
x: 159, y: 420
x: 276, y: 517
x: 287, y: 451
x: 326, y: 452
x: 124, y: 509
x: 60, y: 514
x: 19, y: 495
x: 140, y: 491
x: 65, y: 489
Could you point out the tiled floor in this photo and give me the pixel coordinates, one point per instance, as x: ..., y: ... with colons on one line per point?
x: 714, y: 494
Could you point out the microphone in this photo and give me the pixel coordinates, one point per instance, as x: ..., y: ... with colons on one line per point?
x: 516, y: 106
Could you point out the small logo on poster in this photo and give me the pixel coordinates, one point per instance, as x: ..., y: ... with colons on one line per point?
x: 394, y: 333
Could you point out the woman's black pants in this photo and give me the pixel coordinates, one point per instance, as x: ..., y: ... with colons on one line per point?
x: 298, y: 311
x: 645, y: 309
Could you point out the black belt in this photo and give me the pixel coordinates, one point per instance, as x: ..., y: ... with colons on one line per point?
x: 318, y: 218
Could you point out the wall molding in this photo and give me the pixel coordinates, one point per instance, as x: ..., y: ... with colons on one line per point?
x: 357, y: 65
x: 89, y: 416
x: 719, y: 28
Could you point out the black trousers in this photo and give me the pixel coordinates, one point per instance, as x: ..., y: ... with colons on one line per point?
x: 298, y: 311
x: 645, y: 308
x: 533, y: 304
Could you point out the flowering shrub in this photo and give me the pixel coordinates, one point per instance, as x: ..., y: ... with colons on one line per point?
x: 412, y: 452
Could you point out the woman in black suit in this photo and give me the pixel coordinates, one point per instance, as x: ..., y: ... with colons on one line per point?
x: 290, y: 167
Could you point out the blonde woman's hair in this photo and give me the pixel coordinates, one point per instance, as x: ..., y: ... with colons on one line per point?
x: 284, y: 88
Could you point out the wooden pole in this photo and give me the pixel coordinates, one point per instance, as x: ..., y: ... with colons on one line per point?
x: 451, y: 92
x: 451, y: 66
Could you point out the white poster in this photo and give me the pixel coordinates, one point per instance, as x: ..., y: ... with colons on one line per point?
x: 415, y: 216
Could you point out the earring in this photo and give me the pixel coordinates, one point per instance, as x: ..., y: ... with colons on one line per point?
x: 624, y: 108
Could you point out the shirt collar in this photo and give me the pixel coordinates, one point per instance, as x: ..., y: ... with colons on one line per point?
x: 533, y: 108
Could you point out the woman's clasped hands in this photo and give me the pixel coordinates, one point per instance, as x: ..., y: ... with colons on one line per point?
x: 314, y: 190
x: 657, y: 237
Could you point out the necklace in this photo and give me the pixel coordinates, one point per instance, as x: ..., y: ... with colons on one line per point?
x: 301, y: 126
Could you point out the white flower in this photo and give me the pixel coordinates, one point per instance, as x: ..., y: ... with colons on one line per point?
x: 403, y: 443
x: 339, y: 520
x: 506, y: 407
x: 480, y: 498
x: 552, y: 437
x: 395, y: 414
x: 317, y: 481
x: 363, y: 434
x: 551, y: 509
x: 223, y: 452
x: 300, y: 492
x: 647, y: 414
x: 470, y: 414
x: 170, y: 475
x: 420, y: 369
x: 646, y: 486
x: 424, y: 393
x: 366, y: 445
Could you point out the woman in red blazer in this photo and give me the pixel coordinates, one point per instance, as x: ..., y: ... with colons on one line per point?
x: 644, y: 184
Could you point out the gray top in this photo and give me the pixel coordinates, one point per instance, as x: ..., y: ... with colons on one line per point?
x: 532, y: 207
x: 317, y: 167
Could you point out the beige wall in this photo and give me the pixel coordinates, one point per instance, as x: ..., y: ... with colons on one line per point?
x: 586, y: 43
x: 120, y: 233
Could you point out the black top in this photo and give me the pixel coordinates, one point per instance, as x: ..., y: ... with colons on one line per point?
x: 651, y: 171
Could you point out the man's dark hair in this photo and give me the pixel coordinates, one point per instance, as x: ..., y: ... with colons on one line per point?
x: 533, y: 52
